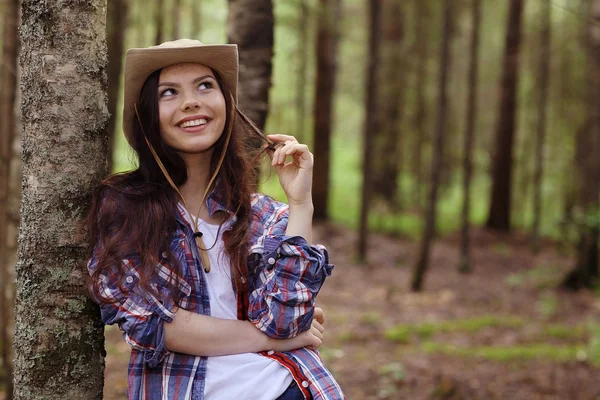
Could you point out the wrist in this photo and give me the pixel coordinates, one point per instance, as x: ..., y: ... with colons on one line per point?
x: 302, y: 206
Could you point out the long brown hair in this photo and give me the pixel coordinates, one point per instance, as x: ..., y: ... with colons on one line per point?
x: 133, y: 213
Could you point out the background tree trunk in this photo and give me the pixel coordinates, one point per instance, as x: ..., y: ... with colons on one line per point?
x: 196, y: 19
x: 327, y: 43
x: 116, y: 24
x: 587, y: 270
x: 159, y: 21
x: 58, y: 332
x: 369, y: 124
x: 303, y: 42
x: 500, y: 200
x: 176, y: 20
x: 465, y: 259
x: 8, y: 132
x: 445, y: 63
x: 391, y: 89
x: 250, y: 25
x: 422, y: 57
x: 544, y: 82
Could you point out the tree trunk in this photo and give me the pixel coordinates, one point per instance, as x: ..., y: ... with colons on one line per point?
x: 117, y: 21
x: 465, y: 258
x: 196, y: 19
x: 544, y: 82
x: 176, y: 20
x: 369, y: 124
x: 159, y: 21
x: 250, y: 24
x: 587, y: 269
x: 391, y: 83
x: 445, y: 63
x: 8, y: 132
x: 327, y: 40
x: 58, y: 332
x: 303, y: 42
x: 422, y: 47
x: 500, y: 201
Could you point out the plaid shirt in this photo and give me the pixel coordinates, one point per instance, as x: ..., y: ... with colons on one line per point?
x: 284, y: 276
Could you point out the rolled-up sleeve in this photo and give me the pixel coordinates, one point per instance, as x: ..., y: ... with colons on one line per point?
x: 290, y: 273
x: 140, y: 315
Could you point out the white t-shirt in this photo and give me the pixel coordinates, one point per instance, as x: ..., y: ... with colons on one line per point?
x: 238, y: 376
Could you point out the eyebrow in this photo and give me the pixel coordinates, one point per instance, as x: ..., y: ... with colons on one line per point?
x: 201, y: 78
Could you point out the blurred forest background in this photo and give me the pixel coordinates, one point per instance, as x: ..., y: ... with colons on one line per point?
x: 457, y: 180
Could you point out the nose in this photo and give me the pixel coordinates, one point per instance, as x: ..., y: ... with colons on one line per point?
x: 190, y: 102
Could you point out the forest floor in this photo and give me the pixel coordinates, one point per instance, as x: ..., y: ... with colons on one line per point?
x: 501, y: 332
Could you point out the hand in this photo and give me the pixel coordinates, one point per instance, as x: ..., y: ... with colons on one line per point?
x: 295, y: 176
x: 312, y: 338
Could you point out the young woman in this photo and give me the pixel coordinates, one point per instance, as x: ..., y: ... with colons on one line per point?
x: 213, y: 286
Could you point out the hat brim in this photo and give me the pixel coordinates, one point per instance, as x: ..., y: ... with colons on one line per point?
x: 140, y: 63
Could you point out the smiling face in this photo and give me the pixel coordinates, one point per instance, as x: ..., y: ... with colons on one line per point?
x: 192, y: 109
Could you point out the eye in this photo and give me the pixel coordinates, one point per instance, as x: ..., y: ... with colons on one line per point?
x: 167, y: 92
x: 204, y: 85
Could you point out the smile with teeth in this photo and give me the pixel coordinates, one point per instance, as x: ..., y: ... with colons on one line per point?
x: 194, y: 122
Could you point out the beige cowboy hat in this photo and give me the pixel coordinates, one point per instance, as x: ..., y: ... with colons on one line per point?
x: 140, y: 63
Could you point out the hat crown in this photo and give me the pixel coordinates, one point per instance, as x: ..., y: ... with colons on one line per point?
x: 172, y: 44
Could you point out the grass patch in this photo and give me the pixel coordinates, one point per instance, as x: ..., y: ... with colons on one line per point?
x: 564, y: 332
x: 541, y: 277
x: 402, y: 333
x: 534, y: 351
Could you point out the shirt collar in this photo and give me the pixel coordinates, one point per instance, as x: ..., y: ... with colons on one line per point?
x: 215, y: 201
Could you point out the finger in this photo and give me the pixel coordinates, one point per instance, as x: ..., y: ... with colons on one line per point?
x: 282, y: 138
x: 319, y: 315
x: 275, y: 157
x: 315, y: 332
x: 283, y: 152
x: 297, y: 149
x: 318, y: 325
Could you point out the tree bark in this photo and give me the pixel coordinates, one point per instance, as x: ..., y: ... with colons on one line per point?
x: 58, y: 333
x: 250, y: 24
x: 196, y: 19
x: 117, y: 21
x: 500, y: 200
x: 159, y: 21
x: 369, y: 124
x: 391, y: 82
x: 445, y: 63
x: 327, y: 43
x: 422, y: 47
x: 544, y: 82
x: 176, y: 20
x: 586, y: 271
x: 303, y: 42
x: 8, y: 132
x: 465, y: 258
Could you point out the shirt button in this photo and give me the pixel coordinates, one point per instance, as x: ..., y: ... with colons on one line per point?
x: 304, y: 384
x: 270, y: 352
x: 243, y: 279
x: 164, y: 254
x: 129, y: 279
x: 271, y: 261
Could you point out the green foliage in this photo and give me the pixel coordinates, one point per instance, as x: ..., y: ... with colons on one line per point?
x: 559, y: 331
x: 547, y: 304
x: 540, y: 277
x: 533, y: 351
x: 402, y: 333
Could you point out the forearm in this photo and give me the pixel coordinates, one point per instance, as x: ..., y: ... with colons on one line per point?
x: 300, y: 221
x: 202, y: 335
